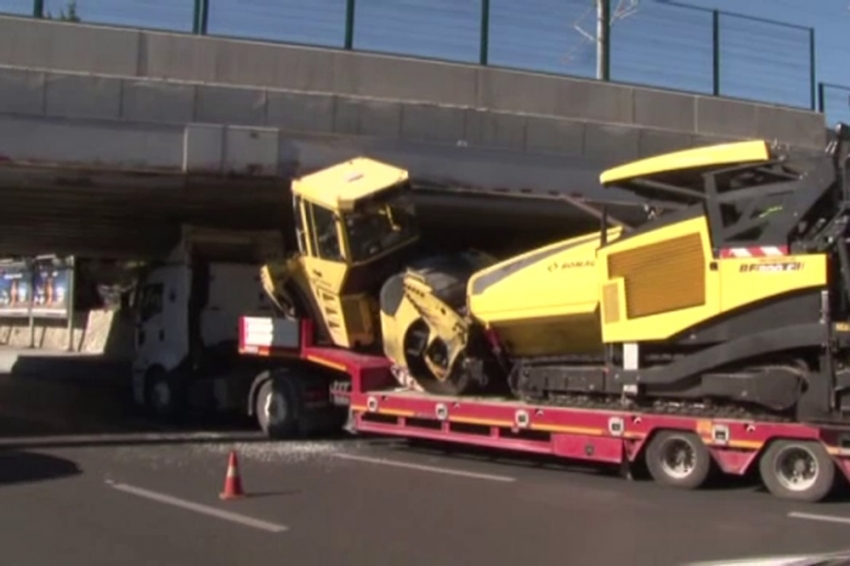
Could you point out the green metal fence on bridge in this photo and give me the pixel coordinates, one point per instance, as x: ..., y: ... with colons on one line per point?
x: 667, y: 45
x: 834, y: 102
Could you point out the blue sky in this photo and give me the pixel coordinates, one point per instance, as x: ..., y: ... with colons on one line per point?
x: 661, y: 44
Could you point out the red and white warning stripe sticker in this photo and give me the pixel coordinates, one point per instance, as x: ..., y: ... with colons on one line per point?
x: 756, y: 251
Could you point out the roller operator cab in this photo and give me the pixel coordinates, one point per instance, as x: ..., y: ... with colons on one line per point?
x: 354, y: 223
x: 732, y: 295
x: 357, y: 234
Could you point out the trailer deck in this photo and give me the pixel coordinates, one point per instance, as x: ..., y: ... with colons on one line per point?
x: 584, y: 434
x: 377, y: 404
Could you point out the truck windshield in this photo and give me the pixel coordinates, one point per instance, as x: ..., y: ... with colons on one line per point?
x: 380, y: 227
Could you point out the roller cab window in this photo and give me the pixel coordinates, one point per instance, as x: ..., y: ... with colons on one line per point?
x: 378, y: 227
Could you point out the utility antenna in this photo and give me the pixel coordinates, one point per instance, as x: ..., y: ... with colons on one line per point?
x: 624, y: 9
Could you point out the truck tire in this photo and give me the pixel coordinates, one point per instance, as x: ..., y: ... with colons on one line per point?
x: 800, y: 470
x: 289, y: 403
x: 678, y: 459
x: 276, y: 407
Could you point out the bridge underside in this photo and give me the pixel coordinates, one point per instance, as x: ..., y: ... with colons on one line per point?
x: 121, y: 214
x: 122, y: 190
x: 124, y: 214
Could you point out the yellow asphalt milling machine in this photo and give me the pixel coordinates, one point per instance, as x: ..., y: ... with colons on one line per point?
x: 731, y: 297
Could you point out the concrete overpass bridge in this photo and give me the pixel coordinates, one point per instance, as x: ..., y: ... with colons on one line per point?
x: 110, y: 138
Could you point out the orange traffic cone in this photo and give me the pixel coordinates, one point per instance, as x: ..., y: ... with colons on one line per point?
x: 232, y: 483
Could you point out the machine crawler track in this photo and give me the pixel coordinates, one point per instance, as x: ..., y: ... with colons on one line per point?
x: 660, y: 405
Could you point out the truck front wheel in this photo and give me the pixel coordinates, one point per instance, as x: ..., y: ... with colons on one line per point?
x: 276, y: 408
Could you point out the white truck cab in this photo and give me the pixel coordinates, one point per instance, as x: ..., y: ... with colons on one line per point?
x: 187, y: 313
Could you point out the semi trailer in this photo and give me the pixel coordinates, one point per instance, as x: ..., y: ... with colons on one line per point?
x: 312, y: 389
x: 713, y: 334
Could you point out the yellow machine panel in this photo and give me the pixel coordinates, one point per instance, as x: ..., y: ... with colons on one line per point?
x: 393, y: 328
x: 650, y: 271
x: 326, y: 279
x: 747, y: 280
x: 338, y: 187
x: 659, y: 283
x: 545, y: 301
x: 720, y: 154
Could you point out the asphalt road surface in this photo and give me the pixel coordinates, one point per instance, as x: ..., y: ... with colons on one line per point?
x: 131, y: 495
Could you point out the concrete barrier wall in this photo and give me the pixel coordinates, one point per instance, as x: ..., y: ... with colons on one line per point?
x: 376, y: 93
x: 101, y: 332
x: 164, y: 124
x: 111, y: 144
x: 208, y: 148
x: 196, y: 148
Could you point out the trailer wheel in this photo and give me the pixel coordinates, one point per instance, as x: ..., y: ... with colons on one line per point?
x: 678, y: 459
x: 798, y: 470
x: 276, y: 408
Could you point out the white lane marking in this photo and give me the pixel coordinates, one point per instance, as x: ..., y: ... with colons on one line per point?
x: 212, y: 511
x: 826, y: 518
x: 424, y: 468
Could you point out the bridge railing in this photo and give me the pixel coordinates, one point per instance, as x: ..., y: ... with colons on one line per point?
x: 668, y: 45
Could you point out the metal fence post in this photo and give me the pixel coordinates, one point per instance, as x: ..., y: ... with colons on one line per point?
x: 485, y: 32
x: 201, y: 17
x: 812, y: 66
x: 38, y: 9
x: 821, y: 97
x: 603, y: 40
x: 196, y: 18
x: 349, y: 24
x: 205, y: 16
x: 715, y: 51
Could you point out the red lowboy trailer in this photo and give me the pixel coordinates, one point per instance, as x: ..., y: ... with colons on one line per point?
x: 316, y: 387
